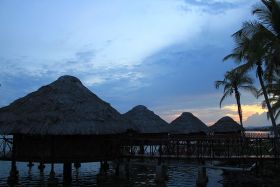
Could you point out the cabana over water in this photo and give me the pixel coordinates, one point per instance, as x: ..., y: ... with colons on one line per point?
x: 65, y: 122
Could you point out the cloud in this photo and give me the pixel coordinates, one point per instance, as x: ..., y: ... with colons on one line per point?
x: 247, y: 110
x: 216, y: 6
x: 85, y: 56
x: 109, y: 29
x: 257, y: 119
x: 99, y: 39
x: 24, y: 65
x: 147, y: 52
x: 94, y: 80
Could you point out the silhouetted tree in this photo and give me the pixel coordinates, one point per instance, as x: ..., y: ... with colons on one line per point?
x: 233, y: 82
x: 258, y: 47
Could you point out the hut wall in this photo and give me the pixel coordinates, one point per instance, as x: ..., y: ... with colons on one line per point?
x: 65, y: 148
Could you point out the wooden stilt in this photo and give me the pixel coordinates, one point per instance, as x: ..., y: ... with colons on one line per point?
x: 30, y: 164
x: 77, y: 165
x: 14, y: 174
x: 52, y: 180
x: 67, y: 172
x: 202, y: 177
x: 41, y: 167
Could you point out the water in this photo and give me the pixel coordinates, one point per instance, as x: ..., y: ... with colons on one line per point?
x: 180, y: 173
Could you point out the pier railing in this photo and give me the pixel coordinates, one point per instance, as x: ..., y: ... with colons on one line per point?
x: 211, y: 147
x: 207, y: 147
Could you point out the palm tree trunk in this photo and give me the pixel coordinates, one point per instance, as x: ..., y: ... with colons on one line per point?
x: 270, y: 112
x: 237, y: 97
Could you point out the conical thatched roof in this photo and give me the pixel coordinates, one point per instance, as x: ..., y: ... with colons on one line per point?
x: 65, y: 107
x: 146, y: 120
x: 188, y: 123
x: 226, y: 125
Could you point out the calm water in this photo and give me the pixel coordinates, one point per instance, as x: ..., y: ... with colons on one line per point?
x: 180, y: 174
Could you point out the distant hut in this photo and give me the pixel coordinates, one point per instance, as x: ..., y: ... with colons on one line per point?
x: 187, y: 123
x: 226, y: 125
x: 62, y: 122
x: 146, y: 120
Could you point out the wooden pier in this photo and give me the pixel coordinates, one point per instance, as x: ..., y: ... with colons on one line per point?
x: 163, y: 146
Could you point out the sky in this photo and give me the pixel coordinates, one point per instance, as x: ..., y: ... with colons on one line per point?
x: 164, y: 54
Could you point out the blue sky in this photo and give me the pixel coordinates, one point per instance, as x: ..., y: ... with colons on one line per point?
x: 165, y: 54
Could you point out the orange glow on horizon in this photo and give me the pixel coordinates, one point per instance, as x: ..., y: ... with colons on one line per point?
x: 247, y: 111
x: 211, y: 115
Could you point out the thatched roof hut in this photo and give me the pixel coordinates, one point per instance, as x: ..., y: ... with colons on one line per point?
x: 64, y: 107
x: 226, y: 125
x: 146, y: 120
x: 187, y: 123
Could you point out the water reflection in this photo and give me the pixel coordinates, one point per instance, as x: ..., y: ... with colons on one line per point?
x: 141, y: 174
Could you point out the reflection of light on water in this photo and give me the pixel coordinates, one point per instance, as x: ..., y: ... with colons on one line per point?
x: 258, y: 134
x: 180, y: 174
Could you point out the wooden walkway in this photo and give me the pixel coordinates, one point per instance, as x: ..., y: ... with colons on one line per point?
x: 186, y: 157
x: 215, y: 147
x: 166, y: 146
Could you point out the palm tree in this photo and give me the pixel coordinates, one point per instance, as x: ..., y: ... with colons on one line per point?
x: 258, y: 46
x: 233, y: 81
x: 273, y: 89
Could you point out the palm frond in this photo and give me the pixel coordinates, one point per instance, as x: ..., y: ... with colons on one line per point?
x: 250, y: 89
x: 226, y: 94
x: 219, y: 83
x: 227, y: 87
x: 244, y: 68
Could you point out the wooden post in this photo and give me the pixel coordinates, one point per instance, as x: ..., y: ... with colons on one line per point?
x: 260, y: 144
x: 160, y: 153
x: 228, y: 142
x: 202, y: 177
x: 30, y: 164
x: 212, y: 149
x: 52, y: 173
x: 117, y: 168
x: 177, y: 152
x: 52, y: 181
x: 77, y: 165
x: 67, y: 172
x: 102, y: 170
x: 197, y: 149
x: 141, y: 151
x: 13, y: 178
x: 41, y: 166
x: 159, y: 176
x: 161, y: 172
x: 122, y: 169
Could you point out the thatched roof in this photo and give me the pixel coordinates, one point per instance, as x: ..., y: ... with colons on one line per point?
x: 226, y: 125
x: 187, y: 123
x: 146, y: 120
x: 64, y: 107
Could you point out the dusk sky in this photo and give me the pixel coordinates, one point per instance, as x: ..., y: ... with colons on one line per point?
x: 164, y: 54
